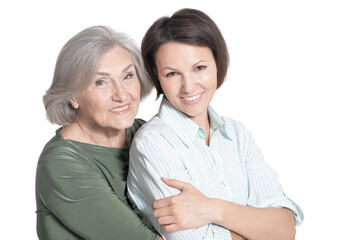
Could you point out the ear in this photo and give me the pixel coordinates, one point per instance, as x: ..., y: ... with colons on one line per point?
x: 74, y: 103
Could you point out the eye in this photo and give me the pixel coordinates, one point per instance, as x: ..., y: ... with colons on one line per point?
x: 171, y: 74
x: 199, y: 68
x: 99, y: 82
x: 129, y: 76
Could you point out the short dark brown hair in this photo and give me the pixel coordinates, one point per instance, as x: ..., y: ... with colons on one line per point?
x: 187, y: 26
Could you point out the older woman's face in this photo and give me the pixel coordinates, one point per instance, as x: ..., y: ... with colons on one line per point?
x: 111, y: 101
x: 188, y: 77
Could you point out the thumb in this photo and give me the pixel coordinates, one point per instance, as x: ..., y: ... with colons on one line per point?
x: 174, y: 183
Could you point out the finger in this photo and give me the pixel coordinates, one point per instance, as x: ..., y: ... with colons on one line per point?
x: 170, y: 228
x: 174, y: 183
x: 161, y: 203
x: 166, y: 220
x: 161, y: 212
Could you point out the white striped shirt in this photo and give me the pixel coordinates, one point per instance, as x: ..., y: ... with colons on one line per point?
x: 231, y: 168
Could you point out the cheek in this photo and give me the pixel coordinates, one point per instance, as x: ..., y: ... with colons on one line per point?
x: 211, y: 80
x: 93, y: 102
x: 133, y: 90
x: 169, y: 87
x: 99, y: 106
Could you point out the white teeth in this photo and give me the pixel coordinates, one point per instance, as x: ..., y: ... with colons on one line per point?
x: 120, y: 108
x: 195, y: 97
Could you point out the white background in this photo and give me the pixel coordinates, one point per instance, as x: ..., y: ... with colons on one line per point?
x: 294, y: 80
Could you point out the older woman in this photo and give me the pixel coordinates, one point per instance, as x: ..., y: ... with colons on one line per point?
x: 187, y: 59
x: 98, y: 82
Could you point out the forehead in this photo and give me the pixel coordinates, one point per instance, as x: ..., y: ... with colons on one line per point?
x: 117, y: 56
x: 178, y: 52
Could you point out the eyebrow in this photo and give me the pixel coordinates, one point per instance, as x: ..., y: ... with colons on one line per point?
x: 107, y: 74
x: 172, y: 69
x: 198, y: 63
x: 192, y: 65
x: 127, y: 67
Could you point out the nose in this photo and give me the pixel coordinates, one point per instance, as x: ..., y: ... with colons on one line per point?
x: 187, y: 84
x: 120, y: 93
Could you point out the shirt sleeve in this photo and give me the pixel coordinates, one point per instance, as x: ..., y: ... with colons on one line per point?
x: 82, y: 200
x: 149, y: 161
x: 264, y: 187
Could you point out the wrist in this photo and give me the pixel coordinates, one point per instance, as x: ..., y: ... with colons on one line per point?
x: 216, y: 211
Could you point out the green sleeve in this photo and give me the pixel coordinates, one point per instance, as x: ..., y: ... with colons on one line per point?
x: 82, y: 201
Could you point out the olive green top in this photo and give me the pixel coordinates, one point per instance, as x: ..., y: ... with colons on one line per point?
x: 81, y: 192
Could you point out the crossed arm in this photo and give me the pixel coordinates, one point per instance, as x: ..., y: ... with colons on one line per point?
x: 180, y: 206
x: 187, y: 208
x: 191, y: 209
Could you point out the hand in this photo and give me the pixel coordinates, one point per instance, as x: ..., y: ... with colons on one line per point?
x: 189, y: 209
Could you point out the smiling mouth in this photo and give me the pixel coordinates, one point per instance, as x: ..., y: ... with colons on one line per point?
x: 120, y: 109
x: 192, y: 98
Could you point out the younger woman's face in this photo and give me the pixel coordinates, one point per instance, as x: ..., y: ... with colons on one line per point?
x: 188, y: 77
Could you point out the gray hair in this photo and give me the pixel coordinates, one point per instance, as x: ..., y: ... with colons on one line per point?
x: 77, y: 64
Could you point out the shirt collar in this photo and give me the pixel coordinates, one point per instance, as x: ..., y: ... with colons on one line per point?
x: 217, y: 123
x: 183, y: 126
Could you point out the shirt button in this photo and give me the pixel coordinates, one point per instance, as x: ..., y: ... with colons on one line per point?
x: 223, y: 183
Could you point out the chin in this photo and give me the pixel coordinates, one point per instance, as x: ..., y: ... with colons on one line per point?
x: 191, y: 114
x: 128, y: 123
x: 194, y: 112
x: 124, y: 123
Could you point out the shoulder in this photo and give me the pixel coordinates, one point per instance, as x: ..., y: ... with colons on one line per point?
x: 235, y: 128
x: 58, y: 146
x: 57, y: 162
x: 138, y: 123
x: 152, y: 135
x: 154, y: 128
x: 239, y: 134
x: 60, y: 155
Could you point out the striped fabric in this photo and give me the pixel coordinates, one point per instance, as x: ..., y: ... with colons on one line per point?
x: 230, y: 168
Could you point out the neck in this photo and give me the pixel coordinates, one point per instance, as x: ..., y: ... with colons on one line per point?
x: 105, y: 137
x: 204, y: 123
